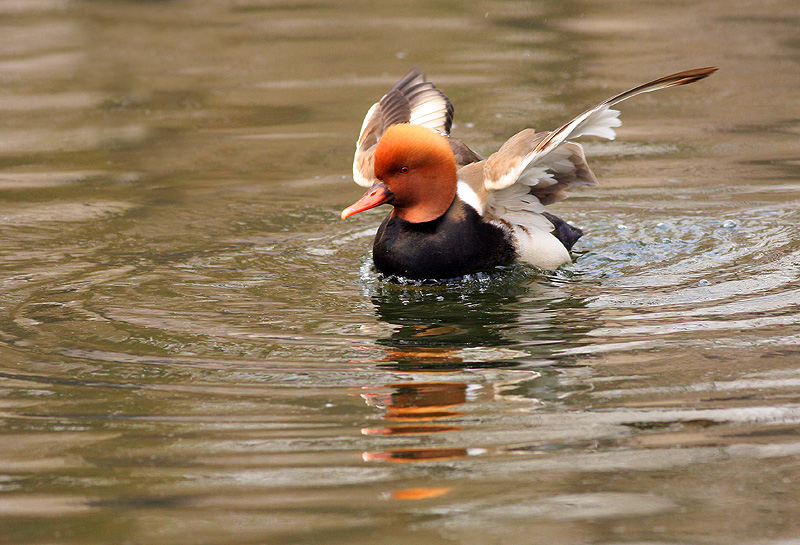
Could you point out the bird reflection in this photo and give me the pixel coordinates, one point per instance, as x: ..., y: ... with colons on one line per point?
x: 435, y: 323
x: 439, y: 329
x: 440, y: 332
x: 420, y: 401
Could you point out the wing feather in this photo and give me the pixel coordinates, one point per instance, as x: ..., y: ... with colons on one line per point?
x: 527, y: 157
x: 412, y: 100
x: 531, y: 170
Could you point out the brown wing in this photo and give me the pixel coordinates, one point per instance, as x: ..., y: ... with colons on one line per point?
x: 590, y: 122
x: 463, y: 154
x: 526, y: 159
x: 412, y: 100
x: 564, y: 167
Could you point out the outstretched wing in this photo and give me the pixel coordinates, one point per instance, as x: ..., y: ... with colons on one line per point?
x: 532, y: 159
x: 564, y: 166
x: 533, y: 169
x: 413, y: 100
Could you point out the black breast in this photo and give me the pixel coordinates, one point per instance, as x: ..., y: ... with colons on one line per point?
x: 457, y: 243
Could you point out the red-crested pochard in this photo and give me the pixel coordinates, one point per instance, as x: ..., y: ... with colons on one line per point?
x: 456, y: 213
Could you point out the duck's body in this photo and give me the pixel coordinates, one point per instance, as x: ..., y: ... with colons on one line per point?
x: 455, y: 213
x: 454, y: 244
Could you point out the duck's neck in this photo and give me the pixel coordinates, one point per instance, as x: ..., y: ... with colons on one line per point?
x: 427, y: 201
x: 418, y: 214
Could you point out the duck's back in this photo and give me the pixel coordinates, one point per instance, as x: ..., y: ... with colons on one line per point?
x: 455, y: 244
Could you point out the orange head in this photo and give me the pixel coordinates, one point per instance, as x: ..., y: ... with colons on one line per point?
x: 415, y: 172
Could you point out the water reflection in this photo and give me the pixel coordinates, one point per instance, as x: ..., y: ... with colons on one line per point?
x: 416, y: 404
x: 450, y: 330
x: 488, y: 321
x: 465, y: 313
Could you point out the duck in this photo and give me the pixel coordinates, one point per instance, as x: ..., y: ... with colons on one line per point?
x: 455, y: 213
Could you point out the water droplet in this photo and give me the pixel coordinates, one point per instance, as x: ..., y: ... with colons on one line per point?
x: 621, y: 226
x: 728, y: 224
x: 703, y: 283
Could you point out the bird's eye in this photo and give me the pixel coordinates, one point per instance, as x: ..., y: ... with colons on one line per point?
x: 403, y: 170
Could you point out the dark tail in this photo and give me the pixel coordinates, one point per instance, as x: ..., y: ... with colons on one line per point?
x: 566, y: 233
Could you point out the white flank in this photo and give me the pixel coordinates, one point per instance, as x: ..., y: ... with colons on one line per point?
x: 538, y: 248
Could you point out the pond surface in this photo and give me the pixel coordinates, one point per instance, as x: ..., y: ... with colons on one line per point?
x: 195, y: 349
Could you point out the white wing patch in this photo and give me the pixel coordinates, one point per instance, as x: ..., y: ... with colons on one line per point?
x: 466, y: 194
x: 600, y: 122
x: 366, y: 121
x: 432, y: 113
x: 515, y: 205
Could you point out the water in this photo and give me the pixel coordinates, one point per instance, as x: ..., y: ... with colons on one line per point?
x: 194, y: 348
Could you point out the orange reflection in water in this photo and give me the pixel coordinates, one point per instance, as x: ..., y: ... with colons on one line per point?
x: 420, y: 493
x: 417, y: 408
x: 419, y: 401
x: 423, y: 359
